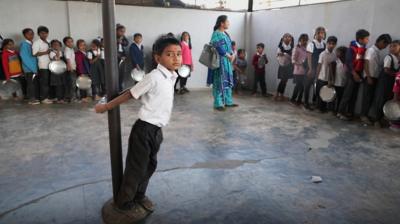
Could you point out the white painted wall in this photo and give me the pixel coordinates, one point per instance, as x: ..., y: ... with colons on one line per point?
x: 83, y: 20
x: 341, y: 19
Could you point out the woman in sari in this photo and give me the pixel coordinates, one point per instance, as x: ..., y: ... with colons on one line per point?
x: 221, y: 78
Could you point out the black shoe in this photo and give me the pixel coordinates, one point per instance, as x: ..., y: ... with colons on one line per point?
x: 220, y: 108
x: 185, y: 90
x: 232, y: 105
x: 307, y: 107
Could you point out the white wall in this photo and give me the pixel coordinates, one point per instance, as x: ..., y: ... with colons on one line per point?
x: 341, y: 19
x: 83, y: 20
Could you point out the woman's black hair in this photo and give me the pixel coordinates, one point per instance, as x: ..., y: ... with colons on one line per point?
x: 190, y: 39
x: 303, y: 36
x: 55, y: 41
x: 6, y: 42
x: 163, y: 42
x: 220, y: 19
x: 280, y: 46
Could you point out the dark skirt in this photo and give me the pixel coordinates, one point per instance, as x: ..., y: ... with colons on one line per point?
x: 285, y: 72
x: 383, y: 93
x: 57, y: 80
x: 97, y: 73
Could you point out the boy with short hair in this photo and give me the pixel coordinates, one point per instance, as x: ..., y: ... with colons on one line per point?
x: 372, y: 69
x: 156, y: 92
x: 41, y: 49
x: 70, y: 77
x: 29, y: 65
x: 324, y: 70
x: 136, y: 52
x: 259, y: 62
x: 355, y: 64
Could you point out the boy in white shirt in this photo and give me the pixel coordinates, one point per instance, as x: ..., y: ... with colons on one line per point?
x: 156, y: 92
x: 372, y: 69
x: 70, y: 78
x: 41, y: 49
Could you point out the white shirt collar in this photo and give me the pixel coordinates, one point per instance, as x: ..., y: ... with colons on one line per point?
x: 166, y: 72
x: 260, y: 54
x: 28, y: 41
x: 138, y: 45
x: 375, y: 47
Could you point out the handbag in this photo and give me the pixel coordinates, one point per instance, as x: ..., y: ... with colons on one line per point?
x: 210, y: 57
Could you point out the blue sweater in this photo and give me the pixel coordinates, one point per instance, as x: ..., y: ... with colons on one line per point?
x: 29, y: 62
x: 136, y: 56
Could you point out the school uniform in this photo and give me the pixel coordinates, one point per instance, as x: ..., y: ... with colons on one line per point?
x: 121, y: 55
x: 43, y: 64
x: 326, y: 59
x: 242, y: 78
x: 259, y: 61
x: 70, y: 76
x: 12, y: 67
x: 299, y: 60
x: 186, y: 60
x: 340, y: 82
x: 97, y: 72
x: 285, y: 70
x: 354, y: 62
x: 57, y: 80
x: 30, y: 67
x: 384, y: 89
x: 373, y: 56
x: 82, y: 68
x: 315, y: 48
x: 156, y: 93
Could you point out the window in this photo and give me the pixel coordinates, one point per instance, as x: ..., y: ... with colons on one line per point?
x: 273, y: 4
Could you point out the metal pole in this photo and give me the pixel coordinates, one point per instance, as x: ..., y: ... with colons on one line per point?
x: 250, y: 8
x: 111, y: 71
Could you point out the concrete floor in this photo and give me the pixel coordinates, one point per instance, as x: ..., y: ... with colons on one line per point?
x: 251, y: 164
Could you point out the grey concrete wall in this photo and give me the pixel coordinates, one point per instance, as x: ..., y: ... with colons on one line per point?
x: 341, y: 19
x: 83, y: 20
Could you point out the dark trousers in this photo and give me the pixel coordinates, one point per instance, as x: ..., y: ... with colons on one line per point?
x: 349, y: 98
x: 298, y: 89
x: 32, y: 86
x: 259, y: 78
x: 282, y: 86
x: 182, y: 82
x: 308, y: 85
x: 320, y: 103
x: 43, y: 78
x: 70, y: 85
x: 368, y: 96
x: 339, y: 94
x: 141, y: 161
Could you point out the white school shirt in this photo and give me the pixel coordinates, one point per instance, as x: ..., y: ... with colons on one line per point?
x: 69, y: 53
x: 41, y: 46
x: 372, y: 55
x: 95, y: 53
x: 52, y: 55
x: 102, y: 53
x: 319, y: 45
x: 325, y: 59
x: 387, y: 62
x: 340, y: 76
x: 156, y: 92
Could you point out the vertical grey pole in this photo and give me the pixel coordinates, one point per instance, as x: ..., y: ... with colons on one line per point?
x: 250, y: 8
x: 111, y: 72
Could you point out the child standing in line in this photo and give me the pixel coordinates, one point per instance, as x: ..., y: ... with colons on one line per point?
x: 57, y: 80
x: 136, y: 52
x: 96, y: 70
x: 384, y: 90
x: 340, y: 75
x: 30, y: 67
x: 41, y: 49
x: 314, y: 49
x: 156, y: 92
x: 324, y: 70
x: 299, y: 60
x: 240, y: 66
x: 186, y: 45
x: 285, y: 71
x: 70, y: 76
x: 82, y: 66
x: 395, y: 126
x: 12, y: 65
x: 259, y: 61
x: 355, y: 64
x: 372, y: 69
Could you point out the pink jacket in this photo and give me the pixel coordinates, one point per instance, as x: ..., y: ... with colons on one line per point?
x: 298, y: 58
x: 186, y: 54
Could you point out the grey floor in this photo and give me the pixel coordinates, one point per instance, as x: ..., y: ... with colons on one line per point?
x: 250, y: 165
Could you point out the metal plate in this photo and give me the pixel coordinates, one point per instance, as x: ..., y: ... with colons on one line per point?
x: 57, y: 67
x: 327, y: 94
x: 84, y: 82
x: 391, y: 109
x: 184, y: 71
x: 137, y: 74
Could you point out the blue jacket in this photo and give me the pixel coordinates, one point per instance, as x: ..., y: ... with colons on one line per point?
x: 136, y: 54
x: 29, y: 62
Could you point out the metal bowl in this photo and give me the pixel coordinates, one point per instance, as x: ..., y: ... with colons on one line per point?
x: 57, y: 67
x: 137, y: 74
x: 391, y: 109
x: 327, y: 94
x: 184, y: 71
x: 84, y: 82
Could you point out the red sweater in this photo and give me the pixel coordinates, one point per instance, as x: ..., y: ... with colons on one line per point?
x: 259, y: 66
x: 11, y: 64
